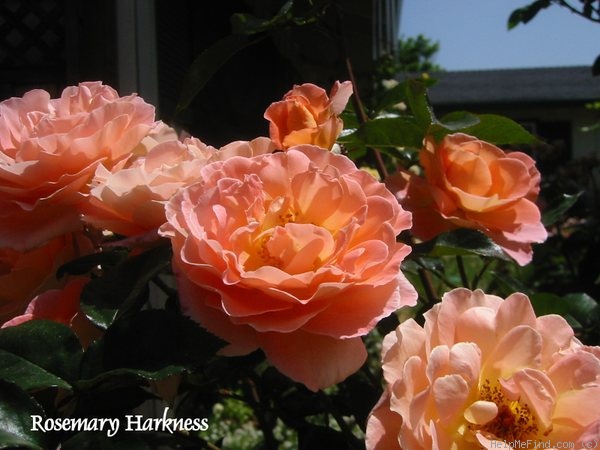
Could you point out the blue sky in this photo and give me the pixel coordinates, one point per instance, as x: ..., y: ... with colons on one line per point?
x: 473, y: 34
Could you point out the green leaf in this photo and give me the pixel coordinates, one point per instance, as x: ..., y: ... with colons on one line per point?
x: 349, y: 118
x: 487, y: 127
x: 547, y: 303
x: 49, y: 346
x: 400, y: 93
x: 467, y: 242
x: 456, y: 121
x: 418, y: 104
x: 509, y: 283
x: 583, y: 307
x: 527, y: 13
x: 27, y: 375
x: 579, y: 309
x: 551, y: 216
x: 500, y: 130
x: 249, y: 24
x: 451, y: 123
x: 151, y: 344
x: 16, y: 423
x: 392, y: 97
x: 119, y: 290
x: 207, y: 64
x: 391, y: 132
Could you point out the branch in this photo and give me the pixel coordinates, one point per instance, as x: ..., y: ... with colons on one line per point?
x: 574, y: 10
x: 356, y: 100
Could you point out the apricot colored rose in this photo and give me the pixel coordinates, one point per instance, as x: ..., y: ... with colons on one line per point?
x: 131, y: 200
x: 25, y: 274
x: 485, y: 373
x: 307, y: 115
x: 292, y: 252
x: 61, y: 305
x: 49, y: 150
x: 470, y: 183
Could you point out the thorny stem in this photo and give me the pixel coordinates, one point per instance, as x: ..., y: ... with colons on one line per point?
x: 566, y: 254
x: 428, y: 285
x: 163, y: 286
x: 263, y: 421
x: 461, y: 270
x: 350, y: 438
x: 440, y: 276
x: 374, y: 380
x: 363, y: 118
x: 477, y: 279
x: 357, y: 102
x: 144, y: 241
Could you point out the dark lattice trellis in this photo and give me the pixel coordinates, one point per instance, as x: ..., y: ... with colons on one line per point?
x: 32, y: 33
x: 32, y: 45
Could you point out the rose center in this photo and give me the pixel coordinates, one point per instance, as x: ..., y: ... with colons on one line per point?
x: 514, y: 421
x: 262, y: 251
x: 261, y: 256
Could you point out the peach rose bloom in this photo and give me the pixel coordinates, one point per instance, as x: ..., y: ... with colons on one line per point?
x: 131, y: 200
x: 49, y: 150
x: 485, y: 373
x: 25, y: 274
x: 470, y: 183
x: 307, y: 115
x: 292, y: 252
x: 61, y: 305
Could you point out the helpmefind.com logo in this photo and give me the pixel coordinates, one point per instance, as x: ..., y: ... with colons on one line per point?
x: 132, y: 422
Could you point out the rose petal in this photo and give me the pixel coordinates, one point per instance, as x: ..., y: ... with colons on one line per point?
x: 383, y: 426
x: 316, y: 361
x: 481, y: 412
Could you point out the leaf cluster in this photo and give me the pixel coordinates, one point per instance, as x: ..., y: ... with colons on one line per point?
x: 588, y: 9
x: 400, y: 135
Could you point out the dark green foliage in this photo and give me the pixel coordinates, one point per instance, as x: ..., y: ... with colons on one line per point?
x: 16, y: 409
x: 413, y: 55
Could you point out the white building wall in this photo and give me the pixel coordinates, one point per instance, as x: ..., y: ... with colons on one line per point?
x: 136, y: 44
